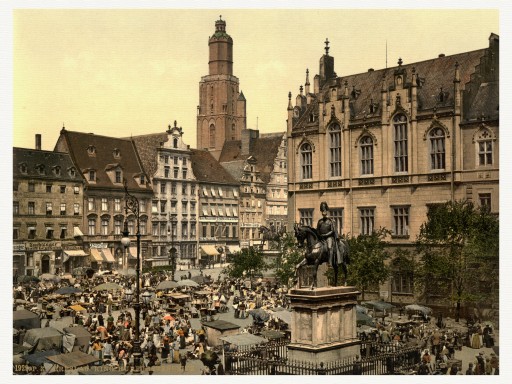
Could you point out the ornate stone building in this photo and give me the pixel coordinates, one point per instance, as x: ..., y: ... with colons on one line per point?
x: 221, y: 109
x: 104, y: 163
x: 47, y: 212
x: 380, y: 146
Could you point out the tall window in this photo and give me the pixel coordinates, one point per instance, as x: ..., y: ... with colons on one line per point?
x: 92, y: 226
x: 306, y: 216
x: 184, y: 229
x: 131, y: 227
x: 173, y: 188
x: 118, y: 177
x: 335, y: 150
x: 484, y: 142
x: 31, y: 187
x: 401, y: 221
x: 143, y: 227
x: 104, y: 204
x: 63, y: 232
x: 16, y: 208
x: 485, y: 200
x: 117, y: 226
x: 437, y: 149
x: 212, y: 136
x: 402, y: 276
x: 367, y: 220
x: 162, y: 206
x: 49, y: 209
x: 193, y: 229
x: 62, y: 208
x: 117, y: 204
x: 92, y: 175
x: 400, y: 141
x: 104, y: 226
x: 162, y: 186
x: 31, y: 208
x: 337, y: 216
x: 90, y: 203
x: 166, y: 172
x: 76, y: 209
x: 306, y: 161
x: 366, y: 145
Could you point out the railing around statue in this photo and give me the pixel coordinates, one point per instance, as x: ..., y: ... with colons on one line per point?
x: 396, y: 361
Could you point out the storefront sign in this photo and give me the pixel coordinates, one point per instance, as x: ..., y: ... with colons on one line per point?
x: 43, y: 246
x: 18, y: 247
x: 98, y: 245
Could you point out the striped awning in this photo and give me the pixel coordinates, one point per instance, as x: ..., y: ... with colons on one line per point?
x: 96, y: 255
x: 107, y: 255
x: 132, y: 252
x: 72, y: 253
x: 210, y: 250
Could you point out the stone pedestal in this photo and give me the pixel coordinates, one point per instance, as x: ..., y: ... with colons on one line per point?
x: 305, y: 276
x: 323, y: 325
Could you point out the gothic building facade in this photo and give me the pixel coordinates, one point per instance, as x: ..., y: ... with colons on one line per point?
x: 381, y: 146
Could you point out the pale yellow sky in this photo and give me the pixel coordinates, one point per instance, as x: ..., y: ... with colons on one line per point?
x: 131, y: 72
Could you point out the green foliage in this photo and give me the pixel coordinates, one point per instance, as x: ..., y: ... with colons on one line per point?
x: 289, y: 256
x: 459, y: 251
x: 368, y: 256
x: 248, y: 260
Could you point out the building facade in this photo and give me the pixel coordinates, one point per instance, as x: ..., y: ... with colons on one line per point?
x: 47, y: 212
x: 380, y: 146
x: 105, y: 163
x: 221, y: 113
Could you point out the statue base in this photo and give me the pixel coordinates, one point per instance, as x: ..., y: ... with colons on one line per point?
x: 306, y: 273
x: 323, y: 324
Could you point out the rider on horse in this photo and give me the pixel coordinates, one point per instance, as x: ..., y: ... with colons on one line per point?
x: 327, y: 231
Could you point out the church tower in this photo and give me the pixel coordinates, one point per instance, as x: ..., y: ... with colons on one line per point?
x: 221, y: 113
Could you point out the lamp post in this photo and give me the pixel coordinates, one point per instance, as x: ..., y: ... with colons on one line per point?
x: 172, y: 250
x: 132, y: 205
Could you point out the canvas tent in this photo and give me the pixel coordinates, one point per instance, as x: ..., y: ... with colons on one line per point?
x: 26, y: 319
x: 73, y: 359
x: 43, y: 339
x: 81, y: 336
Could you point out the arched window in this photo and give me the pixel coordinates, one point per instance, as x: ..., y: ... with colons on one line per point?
x: 335, y: 150
x: 306, y: 161
x: 175, y: 142
x: 212, y: 136
x: 366, y: 144
x: 400, y: 143
x: 437, y: 149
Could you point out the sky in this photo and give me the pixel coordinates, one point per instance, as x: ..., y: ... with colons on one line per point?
x: 122, y: 72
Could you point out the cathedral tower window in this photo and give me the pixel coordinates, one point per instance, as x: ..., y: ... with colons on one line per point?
x: 212, y: 136
x: 306, y: 161
x: 366, y: 144
x: 400, y: 143
x: 437, y: 149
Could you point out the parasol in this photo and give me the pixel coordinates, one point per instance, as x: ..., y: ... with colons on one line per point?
x: 168, y: 317
x: 107, y: 287
x: 166, y: 284
x: 49, y: 277
x: 187, y: 283
x: 378, y: 305
x: 418, y: 308
x: 67, y: 290
x: 209, y: 358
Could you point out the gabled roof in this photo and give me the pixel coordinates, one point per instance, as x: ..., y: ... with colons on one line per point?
x: 264, y: 149
x: 78, y: 143
x: 50, y: 162
x: 147, y: 146
x: 207, y: 169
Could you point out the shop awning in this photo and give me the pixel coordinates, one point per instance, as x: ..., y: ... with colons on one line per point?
x: 234, y: 248
x: 73, y: 253
x: 132, y: 252
x: 77, y: 232
x: 96, y: 255
x: 107, y: 255
x: 210, y: 250
x: 73, y: 359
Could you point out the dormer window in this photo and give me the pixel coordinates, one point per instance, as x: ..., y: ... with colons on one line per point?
x: 23, y: 168
x: 117, y: 153
x: 91, y: 150
x: 40, y: 169
x: 175, y: 143
x: 72, y: 171
x: 119, y: 176
x: 56, y: 170
x: 142, y: 179
x: 92, y: 175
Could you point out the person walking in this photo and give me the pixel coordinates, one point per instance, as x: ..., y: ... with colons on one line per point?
x: 183, y: 361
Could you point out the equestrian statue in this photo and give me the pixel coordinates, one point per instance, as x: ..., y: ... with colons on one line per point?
x: 323, y: 246
x: 270, y: 234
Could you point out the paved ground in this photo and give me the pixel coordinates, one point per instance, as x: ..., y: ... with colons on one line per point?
x: 195, y: 367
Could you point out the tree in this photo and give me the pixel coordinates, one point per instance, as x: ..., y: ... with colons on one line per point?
x: 248, y: 260
x: 368, y: 255
x: 459, y: 254
x: 289, y: 256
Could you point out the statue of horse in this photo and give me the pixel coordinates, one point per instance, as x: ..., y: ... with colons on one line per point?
x: 270, y: 234
x: 317, y: 252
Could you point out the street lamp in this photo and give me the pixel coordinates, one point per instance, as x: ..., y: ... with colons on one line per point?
x: 132, y: 205
x: 172, y: 250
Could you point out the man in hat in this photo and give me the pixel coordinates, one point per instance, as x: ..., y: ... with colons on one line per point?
x: 327, y: 231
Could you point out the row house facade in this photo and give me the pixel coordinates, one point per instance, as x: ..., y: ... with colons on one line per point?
x: 106, y: 164
x: 381, y: 146
x: 47, y: 212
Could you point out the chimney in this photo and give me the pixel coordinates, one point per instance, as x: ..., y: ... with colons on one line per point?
x: 248, y: 136
x: 38, y: 141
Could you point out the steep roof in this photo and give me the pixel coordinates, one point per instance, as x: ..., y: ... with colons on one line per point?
x: 264, y: 149
x: 147, y: 146
x: 435, y: 76
x: 78, y: 143
x: 40, y: 164
x: 207, y: 169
